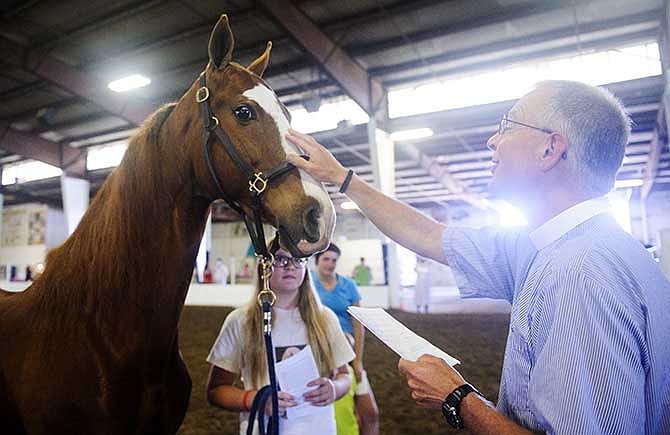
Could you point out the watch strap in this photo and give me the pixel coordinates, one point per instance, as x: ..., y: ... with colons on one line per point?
x: 451, y: 407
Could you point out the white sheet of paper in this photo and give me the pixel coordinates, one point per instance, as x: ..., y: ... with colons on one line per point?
x: 397, y: 336
x: 293, y: 375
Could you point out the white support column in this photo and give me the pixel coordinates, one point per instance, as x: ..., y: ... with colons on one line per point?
x: 664, y: 239
x: 205, y: 246
x: 644, y: 221
x: 2, y: 206
x: 76, y: 193
x: 382, y: 153
x: 665, y: 43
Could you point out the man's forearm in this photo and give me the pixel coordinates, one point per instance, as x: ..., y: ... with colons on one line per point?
x: 481, y: 419
x: 399, y: 221
x: 359, y: 339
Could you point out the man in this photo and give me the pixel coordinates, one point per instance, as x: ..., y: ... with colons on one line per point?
x: 588, y: 348
x: 362, y: 274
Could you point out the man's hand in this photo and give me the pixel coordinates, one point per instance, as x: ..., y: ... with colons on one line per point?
x: 431, y: 379
x: 285, y: 401
x: 323, y: 394
x: 321, y: 164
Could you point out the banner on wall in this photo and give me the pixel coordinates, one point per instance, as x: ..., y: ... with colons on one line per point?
x: 24, y: 225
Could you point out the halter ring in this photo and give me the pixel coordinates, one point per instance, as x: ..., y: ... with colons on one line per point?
x: 266, y: 295
x: 199, y: 98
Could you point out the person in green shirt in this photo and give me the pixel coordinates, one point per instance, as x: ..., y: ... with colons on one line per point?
x: 362, y: 274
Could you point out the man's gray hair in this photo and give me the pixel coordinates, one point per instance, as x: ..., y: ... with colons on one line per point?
x: 596, y: 125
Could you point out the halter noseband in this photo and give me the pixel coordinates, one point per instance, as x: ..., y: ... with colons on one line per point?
x: 258, y: 181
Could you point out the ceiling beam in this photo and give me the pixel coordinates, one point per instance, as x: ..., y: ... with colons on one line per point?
x: 397, y: 10
x: 524, y: 49
x: 14, y: 194
x: 237, y: 18
x: 352, y: 77
x: 242, y: 16
x: 71, y: 160
x: 564, y: 33
x: 123, y: 12
x: 73, y: 80
x: 444, y: 176
x: 17, y: 8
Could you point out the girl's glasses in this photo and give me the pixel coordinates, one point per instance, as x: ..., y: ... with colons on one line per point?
x: 281, y: 261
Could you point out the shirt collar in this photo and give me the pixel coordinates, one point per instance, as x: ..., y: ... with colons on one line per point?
x: 559, y: 225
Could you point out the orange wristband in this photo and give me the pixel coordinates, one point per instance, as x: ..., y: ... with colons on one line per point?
x: 246, y: 407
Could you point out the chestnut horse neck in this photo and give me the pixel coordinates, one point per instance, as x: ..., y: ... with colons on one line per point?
x: 129, y: 263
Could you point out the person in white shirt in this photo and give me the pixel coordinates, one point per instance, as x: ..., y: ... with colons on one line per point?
x: 221, y: 272
x: 298, y: 319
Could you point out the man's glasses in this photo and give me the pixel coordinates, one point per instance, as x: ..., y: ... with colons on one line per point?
x: 281, y: 261
x: 505, y: 121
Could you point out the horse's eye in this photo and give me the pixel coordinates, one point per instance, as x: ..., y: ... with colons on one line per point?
x: 244, y: 114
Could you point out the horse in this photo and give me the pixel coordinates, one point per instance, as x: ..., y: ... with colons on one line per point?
x: 91, y: 347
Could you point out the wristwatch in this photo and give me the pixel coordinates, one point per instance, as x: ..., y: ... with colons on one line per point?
x: 451, y: 407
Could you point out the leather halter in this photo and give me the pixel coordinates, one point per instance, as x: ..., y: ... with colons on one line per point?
x: 258, y: 181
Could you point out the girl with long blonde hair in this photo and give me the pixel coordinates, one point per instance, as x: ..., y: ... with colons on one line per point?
x: 298, y: 319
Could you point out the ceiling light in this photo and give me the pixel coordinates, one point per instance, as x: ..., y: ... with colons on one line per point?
x: 349, y: 205
x: 631, y: 182
x: 417, y: 133
x: 128, y: 83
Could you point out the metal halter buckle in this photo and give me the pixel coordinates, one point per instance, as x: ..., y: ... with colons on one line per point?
x: 199, y: 97
x: 266, y: 294
x: 254, y: 185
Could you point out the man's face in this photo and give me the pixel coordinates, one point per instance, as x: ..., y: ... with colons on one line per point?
x: 518, y: 149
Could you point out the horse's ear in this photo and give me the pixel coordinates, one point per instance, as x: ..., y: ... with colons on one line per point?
x: 258, y: 66
x: 221, y: 43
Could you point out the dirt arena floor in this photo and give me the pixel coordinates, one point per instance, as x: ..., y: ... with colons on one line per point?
x: 477, y: 340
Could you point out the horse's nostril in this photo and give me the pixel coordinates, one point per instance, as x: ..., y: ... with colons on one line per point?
x: 311, y: 223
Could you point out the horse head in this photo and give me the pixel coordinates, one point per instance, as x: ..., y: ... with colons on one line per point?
x: 244, y: 154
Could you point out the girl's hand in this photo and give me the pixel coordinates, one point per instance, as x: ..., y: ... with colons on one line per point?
x: 323, y: 394
x: 285, y: 401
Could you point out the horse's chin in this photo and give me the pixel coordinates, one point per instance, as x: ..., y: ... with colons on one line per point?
x: 302, y: 247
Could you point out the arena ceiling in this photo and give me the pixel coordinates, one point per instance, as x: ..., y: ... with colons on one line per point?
x: 58, y: 56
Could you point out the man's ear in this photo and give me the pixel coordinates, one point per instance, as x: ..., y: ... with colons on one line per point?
x: 556, y: 149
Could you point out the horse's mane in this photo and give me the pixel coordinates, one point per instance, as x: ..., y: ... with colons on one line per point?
x: 94, y: 265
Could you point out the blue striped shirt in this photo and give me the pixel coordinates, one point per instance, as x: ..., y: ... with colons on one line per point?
x: 588, y: 347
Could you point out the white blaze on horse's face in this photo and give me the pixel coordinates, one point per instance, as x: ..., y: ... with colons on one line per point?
x: 267, y: 100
